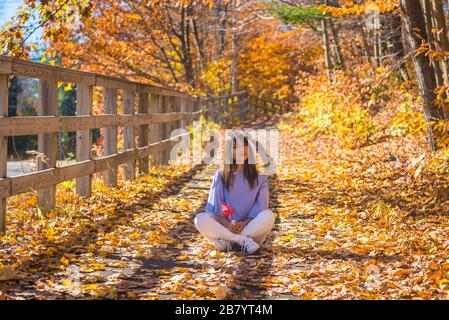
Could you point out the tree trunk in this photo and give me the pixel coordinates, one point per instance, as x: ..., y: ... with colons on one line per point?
x: 185, y: 46
x: 428, y: 20
x: 416, y: 30
x: 397, y: 43
x: 326, y: 45
x: 326, y: 48
x: 234, y: 49
x: 338, y: 53
x: 364, y: 36
x: 220, y: 23
x: 199, y: 47
x: 378, y: 47
x: 443, y: 41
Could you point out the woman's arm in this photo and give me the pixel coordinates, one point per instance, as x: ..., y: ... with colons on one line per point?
x: 216, y: 197
x: 234, y: 227
x: 213, y: 206
x: 261, y: 202
x: 222, y: 220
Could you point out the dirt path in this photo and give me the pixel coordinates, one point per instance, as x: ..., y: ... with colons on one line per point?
x: 148, y: 249
x: 348, y: 227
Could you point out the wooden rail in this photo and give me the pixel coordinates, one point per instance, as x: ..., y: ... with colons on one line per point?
x: 143, y: 105
x: 150, y: 113
x: 222, y: 109
x: 266, y: 106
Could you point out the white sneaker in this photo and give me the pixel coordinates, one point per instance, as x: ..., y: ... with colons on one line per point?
x: 249, y: 246
x: 222, y: 245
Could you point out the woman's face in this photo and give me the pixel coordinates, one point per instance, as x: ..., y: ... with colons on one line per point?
x: 240, y: 153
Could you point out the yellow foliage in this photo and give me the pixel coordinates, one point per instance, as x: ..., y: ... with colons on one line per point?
x: 349, y: 7
x: 270, y: 62
x: 329, y: 110
x: 406, y: 121
x: 216, y: 77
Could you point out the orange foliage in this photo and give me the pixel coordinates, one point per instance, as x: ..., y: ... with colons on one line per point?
x: 349, y: 7
x: 271, y: 63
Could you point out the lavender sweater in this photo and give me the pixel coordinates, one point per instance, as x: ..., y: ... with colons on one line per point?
x: 247, y: 202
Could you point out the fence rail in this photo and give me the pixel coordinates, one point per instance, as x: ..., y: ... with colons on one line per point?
x: 150, y: 113
x: 222, y: 109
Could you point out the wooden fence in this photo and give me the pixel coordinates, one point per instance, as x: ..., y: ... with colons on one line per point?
x: 224, y: 109
x: 143, y: 105
x: 260, y: 106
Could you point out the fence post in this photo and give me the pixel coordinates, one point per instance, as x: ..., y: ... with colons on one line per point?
x: 161, y: 125
x: 154, y: 129
x: 110, y: 135
x: 244, y: 116
x: 222, y: 111
x: 205, y: 109
x: 251, y: 107
x: 128, y: 133
x: 256, y: 109
x: 190, y: 107
x: 47, y: 144
x: 3, y: 150
x: 84, y: 101
x: 197, y: 106
x: 230, y: 101
x: 248, y: 103
x: 165, y: 128
x: 143, y: 131
x: 177, y: 105
x: 215, y: 110
x: 184, y: 109
x: 172, y: 107
x: 228, y: 111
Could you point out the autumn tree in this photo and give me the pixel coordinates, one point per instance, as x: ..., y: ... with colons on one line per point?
x: 310, y: 17
x: 271, y: 64
x: 167, y: 43
x: 420, y: 24
x: 418, y: 20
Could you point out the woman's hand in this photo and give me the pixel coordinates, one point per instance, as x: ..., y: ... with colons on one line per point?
x: 236, y: 227
x: 222, y: 220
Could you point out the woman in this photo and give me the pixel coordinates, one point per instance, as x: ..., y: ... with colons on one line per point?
x: 244, y: 190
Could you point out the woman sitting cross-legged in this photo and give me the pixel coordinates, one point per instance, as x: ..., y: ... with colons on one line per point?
x: 240, y: 187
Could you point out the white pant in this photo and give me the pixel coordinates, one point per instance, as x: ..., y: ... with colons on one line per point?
x: 257, y: 229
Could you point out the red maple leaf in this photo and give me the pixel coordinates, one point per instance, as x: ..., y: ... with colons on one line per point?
x: 228, y: 211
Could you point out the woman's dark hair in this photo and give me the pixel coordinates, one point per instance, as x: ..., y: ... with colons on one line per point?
x: 250, y: 171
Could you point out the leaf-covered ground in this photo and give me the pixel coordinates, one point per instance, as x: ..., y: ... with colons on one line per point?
x: 350, y: 224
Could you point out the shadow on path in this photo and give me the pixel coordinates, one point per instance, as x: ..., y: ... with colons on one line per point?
x: 78, y: 242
